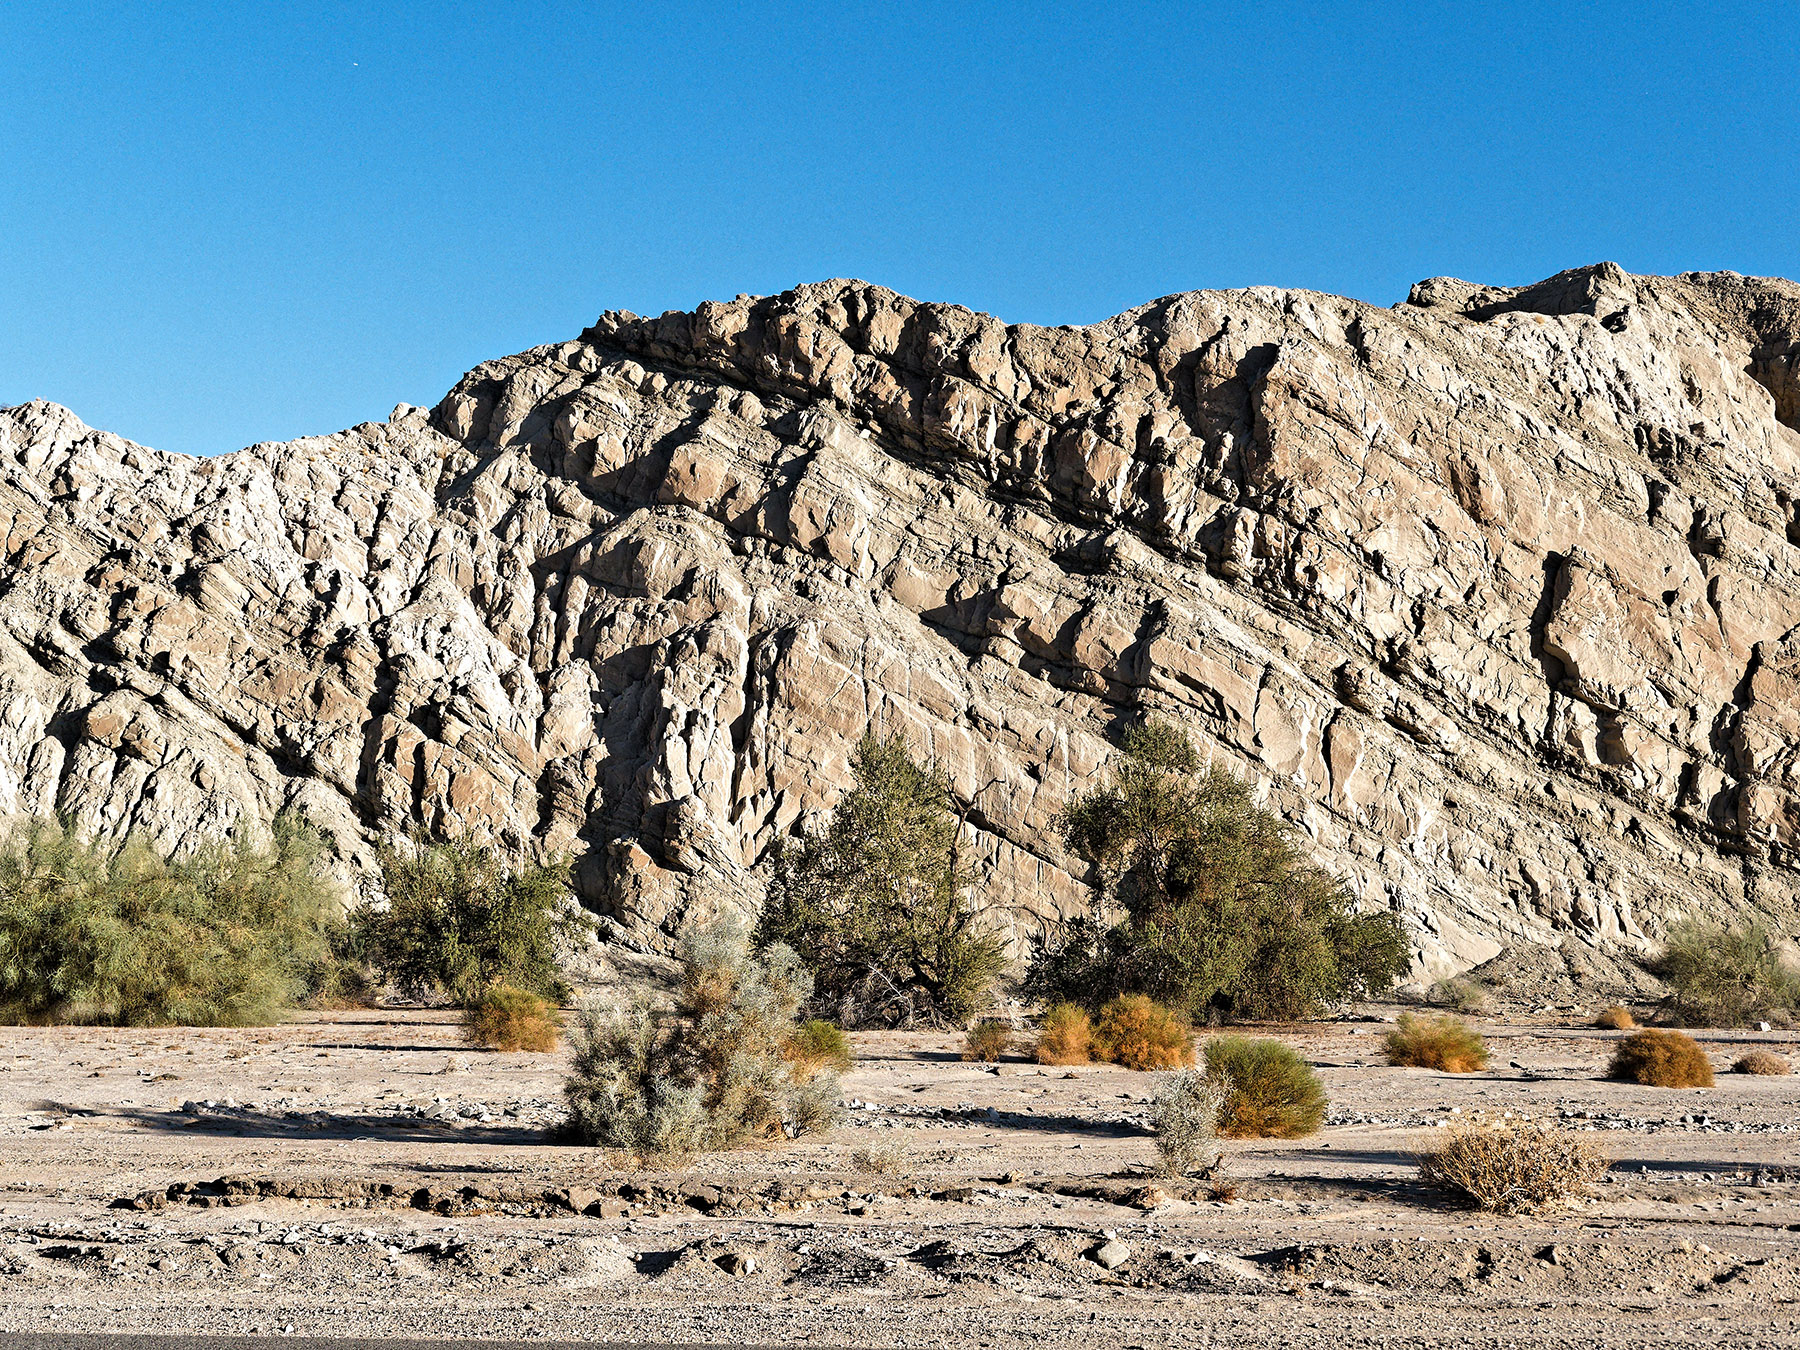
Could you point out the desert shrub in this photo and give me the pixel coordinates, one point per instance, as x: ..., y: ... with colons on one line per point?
x: 1724, y: 976
x: 1761, y: 1062
x: 1462, y: 995
x: 892, y: 1159
x: 1140, y: 1033
x: 877, y: 902
x: 505, y: 1018
x: 1444, y: 1043
x: 1513, y: 1169
x: 336, y: 973
x: 231, y: 935
x: 458, y: 922
x: 1065, y: 1036
x: 817, y: 1044
x: 987, y: 1040
x: 713, y: 1075
x: 1269, y: 1092
x: 631, y: 1088
x: 1184, y: 1114
x: 1661, y: 1059
x: 1616, y: 1018
x: 1221, y: 912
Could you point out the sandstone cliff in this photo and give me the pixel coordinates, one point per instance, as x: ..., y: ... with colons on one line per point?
x: 1496, y: 593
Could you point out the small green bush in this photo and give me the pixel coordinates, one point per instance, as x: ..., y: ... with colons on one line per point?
x: 877, y: 903
x: 1222, y: 913
x: 505, y: 1018
x: 1269, y: 1092
x: 817, y: 1044
x: 1184, y: 1114
x: 987, y: 1040
x: 1444, y: 1043
x: 1720, y: 975
x: 1065, y: 1036
x: 336, y: 973
x: 1139, y: 1033
x: 714, y: 1075
x: 1661, y: 1059
x: 232, y: 935
x: 458, y: 922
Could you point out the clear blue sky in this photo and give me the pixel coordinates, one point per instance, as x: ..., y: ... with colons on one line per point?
x: 228, y: 223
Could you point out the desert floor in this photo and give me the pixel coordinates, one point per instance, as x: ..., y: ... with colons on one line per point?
x: 381, y: 1179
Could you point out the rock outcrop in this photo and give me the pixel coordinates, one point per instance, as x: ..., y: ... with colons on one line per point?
x: 1496, y: 595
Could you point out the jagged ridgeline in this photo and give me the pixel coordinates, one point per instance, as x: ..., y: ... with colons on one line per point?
x: 1492, y: 593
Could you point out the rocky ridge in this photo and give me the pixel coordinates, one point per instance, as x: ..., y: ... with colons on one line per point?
x: 1495, y: 594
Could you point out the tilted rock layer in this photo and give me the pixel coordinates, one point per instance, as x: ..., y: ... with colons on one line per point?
x: 1495, y: 594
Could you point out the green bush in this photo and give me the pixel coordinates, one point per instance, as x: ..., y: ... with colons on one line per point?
x: 877, y: 903
x: 1443, y: 1043
x: 1139, y: 1033
x: 1724, y: 976
x: 1269, y: 1092
x: 817, y: 1044
x: 1222, y: 913
x: 504, y: 1018
x: 987, y: 1040
x: 459, y: 922
x: 232, y: 935
x: 714, y: 1075
x: 336, y: 974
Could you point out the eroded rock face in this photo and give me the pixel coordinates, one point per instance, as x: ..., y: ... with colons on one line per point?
x: 1494, y: 593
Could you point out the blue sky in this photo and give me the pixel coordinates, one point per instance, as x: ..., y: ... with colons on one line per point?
x: 223, y: 224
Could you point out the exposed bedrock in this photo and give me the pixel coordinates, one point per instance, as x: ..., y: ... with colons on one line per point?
x: 1495, y: 594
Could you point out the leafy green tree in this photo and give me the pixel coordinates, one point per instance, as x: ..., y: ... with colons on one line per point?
x: 877, y: 902
x: 458, y: 922
x: 231, y: 935
x: 1206, y: 901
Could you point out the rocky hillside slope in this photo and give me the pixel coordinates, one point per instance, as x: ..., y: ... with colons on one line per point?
x: 1496, y: 593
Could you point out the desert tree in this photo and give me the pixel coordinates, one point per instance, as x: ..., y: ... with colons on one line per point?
x: 1725, y: 974
x: 1205, y: 901
x: 877, y: 903
x: 459, y: 921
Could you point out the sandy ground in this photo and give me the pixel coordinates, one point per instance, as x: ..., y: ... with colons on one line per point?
x: 383, y: 1180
